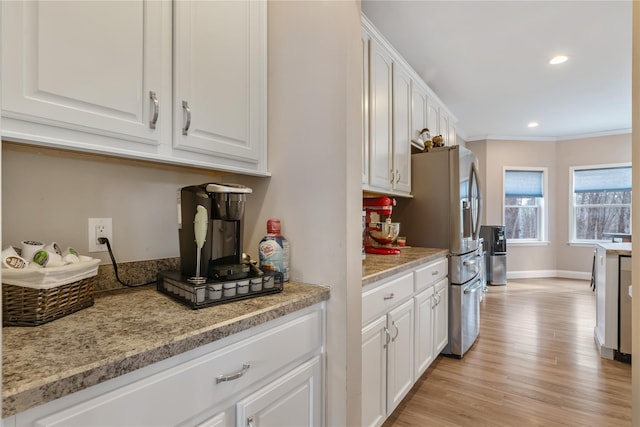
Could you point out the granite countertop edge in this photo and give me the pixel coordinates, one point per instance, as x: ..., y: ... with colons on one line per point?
x: 38, y: 391
x: 378, y: 267
x: 617, y: 248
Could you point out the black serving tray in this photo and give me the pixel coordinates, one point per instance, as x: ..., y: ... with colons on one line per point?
x: 213, y: 292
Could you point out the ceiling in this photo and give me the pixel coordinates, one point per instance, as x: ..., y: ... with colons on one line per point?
x: 488, y: 63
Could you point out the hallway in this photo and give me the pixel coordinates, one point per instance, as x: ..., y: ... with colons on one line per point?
x: 535, y: 364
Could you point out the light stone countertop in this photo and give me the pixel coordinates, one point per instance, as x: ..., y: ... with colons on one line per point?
x: 123, y: 331
x: 376, y: 267
x: 617, y: 248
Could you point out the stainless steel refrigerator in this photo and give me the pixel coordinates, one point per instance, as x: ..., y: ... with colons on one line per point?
x: 445, y: 212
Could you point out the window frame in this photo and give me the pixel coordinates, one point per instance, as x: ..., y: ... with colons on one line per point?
x: 572, y: 207
x: 543, y: 211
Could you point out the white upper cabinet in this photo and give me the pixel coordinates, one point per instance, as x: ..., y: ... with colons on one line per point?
x: 365, y: 39
x: 126, y: 78
x: 401, y: 166
x: 418, y: 109
x: 95, y: 66
x: 433, y: 118
x: 380, y: 101
x: 219, y: 78
x: 397, y: 105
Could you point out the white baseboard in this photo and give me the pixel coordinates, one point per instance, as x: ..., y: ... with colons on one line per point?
x: 534, y: 274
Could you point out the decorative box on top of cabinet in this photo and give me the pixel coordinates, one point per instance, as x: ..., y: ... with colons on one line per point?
x: 270, y: 376
x: 101, y: 77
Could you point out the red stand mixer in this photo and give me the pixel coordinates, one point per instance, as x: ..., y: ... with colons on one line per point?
x: 380, y: 233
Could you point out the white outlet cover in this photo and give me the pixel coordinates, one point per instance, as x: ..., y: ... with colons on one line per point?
x: 93, y: 238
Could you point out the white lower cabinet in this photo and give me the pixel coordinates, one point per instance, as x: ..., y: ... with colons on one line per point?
x: 289, y: 401
x: 405, y: 327
x: 399, y: 354
x: 271, y: 378
x: 374, y: 372
x: 432, y: 311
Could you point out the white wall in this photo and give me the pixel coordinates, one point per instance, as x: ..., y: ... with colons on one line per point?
x: 556, y: 257
x: 314, y: 124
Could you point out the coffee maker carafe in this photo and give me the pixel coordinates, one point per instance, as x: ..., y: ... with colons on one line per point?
x: 210, y: 229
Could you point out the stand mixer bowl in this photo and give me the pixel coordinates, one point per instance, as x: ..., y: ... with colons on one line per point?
x: 384, y: 233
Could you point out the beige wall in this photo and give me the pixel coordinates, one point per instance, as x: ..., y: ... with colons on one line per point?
x: 604, y: 150
x: 556, y: 257
x: 315, y: 189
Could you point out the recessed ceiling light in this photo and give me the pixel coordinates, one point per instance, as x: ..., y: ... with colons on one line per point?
x: 558, y: 59
x: 533, y: 124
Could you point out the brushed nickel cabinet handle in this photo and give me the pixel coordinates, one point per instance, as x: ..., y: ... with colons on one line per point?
x: 389, y: 296
x: 387, y: 337
x: 234, y: 376
x: 250, y: 421
x: 187, y: 124
x: 397, y: 177
x: 156, y: 109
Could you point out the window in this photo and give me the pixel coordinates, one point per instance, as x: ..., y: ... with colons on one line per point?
x: 601, y: 202
x: 524, y: 194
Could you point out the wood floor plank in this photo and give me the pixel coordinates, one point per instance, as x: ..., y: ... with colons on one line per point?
x: 535, y: 364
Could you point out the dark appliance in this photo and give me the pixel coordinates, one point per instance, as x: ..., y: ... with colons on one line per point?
x: 213, y: 268
x: 444, y: 212
x: 496, y: 254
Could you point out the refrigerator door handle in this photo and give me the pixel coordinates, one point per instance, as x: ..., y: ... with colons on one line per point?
x: 477, y: 216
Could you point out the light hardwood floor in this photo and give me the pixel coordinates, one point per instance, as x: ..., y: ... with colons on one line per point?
x: 535, y: 363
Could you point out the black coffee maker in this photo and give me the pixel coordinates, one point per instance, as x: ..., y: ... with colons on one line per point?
x: 210, y: 229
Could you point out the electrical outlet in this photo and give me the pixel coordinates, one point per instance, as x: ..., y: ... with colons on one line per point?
x: 99, y: 227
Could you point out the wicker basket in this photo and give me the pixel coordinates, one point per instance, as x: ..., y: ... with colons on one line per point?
x: 23, y: 306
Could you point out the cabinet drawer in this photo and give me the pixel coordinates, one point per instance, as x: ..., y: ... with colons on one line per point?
x: 384, y: 296
x: 431, y: 273
x: 175, y: 395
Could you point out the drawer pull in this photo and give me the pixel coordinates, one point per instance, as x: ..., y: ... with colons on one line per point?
x: 435, y: 273
x: 235, y: 375
x: 389, y: 296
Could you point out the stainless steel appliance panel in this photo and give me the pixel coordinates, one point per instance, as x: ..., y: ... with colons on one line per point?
x: 463, y: 268
x: 446, y: 205
x: 498, y: 269
x: 464, y: 323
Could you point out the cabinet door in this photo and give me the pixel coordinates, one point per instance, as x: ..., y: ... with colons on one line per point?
x: 374, y: 372
x: 220, y: 79
x: 97, y: 67
x: 443, y: 127
x: 418, y: 110
x: 400, y: 324
x: 293, y: 400
x: 219, y: 420
x: 424, y: 340
x: 380, y: 84
x: 433, y: 118
x: 452, y: 134
x: 365, y: 39
x: 441, y: 316
x: 401, y: 130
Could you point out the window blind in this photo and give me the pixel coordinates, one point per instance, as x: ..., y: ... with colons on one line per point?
x: 602, y: 179
x: 521, y: 183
